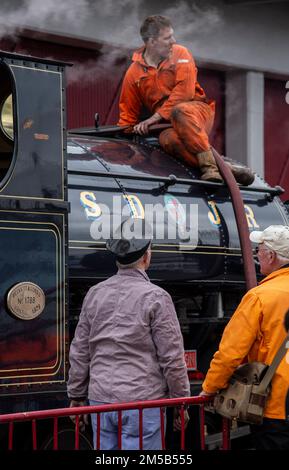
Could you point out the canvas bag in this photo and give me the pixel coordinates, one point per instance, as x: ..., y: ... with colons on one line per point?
x: 249, y: 387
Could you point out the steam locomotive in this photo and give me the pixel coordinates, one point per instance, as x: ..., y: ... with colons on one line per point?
x: 55, y: 193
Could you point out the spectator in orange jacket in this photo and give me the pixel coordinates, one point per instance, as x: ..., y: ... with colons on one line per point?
x: 163, y: 79
x: 256, y: 330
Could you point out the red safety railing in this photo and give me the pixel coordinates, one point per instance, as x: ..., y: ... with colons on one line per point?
x: 55, y: 414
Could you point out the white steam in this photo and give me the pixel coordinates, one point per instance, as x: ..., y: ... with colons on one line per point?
x: 115, y: 22
x: 107, y: 66
x: 112, y: 21
x: 50, y: 13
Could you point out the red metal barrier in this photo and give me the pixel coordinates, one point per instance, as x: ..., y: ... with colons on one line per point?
x: 55, y: 414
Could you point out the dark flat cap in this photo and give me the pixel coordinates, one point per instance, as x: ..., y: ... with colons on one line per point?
x: 130, y: 241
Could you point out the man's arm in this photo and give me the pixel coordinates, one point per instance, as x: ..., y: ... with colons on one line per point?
x: 237, y: 340
x: 79, y: 359
x: 169, y: 345
x: 184, y: 89
x: 129, y: 102
x: 168, y: 341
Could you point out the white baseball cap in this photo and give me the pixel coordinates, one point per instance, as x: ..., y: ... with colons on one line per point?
x: 275, y: 237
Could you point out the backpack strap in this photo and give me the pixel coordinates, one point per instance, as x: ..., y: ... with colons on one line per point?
x: 275, y: 363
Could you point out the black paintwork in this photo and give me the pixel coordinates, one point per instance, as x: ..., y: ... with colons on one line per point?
x: 33, y: 229
x: 217, y: 257
x: 194, y: 277
x: 38, y: 168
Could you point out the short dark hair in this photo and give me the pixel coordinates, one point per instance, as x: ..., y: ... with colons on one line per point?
x: 152, y: 25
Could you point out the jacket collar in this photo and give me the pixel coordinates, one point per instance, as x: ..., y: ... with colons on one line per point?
x: 283, y: 270
x: 138, y: 57
x: 133, y: 273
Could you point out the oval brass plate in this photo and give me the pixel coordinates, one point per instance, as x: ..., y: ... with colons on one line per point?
x: 26, y: 300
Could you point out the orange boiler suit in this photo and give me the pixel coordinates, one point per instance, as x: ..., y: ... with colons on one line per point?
x: 172, y: 90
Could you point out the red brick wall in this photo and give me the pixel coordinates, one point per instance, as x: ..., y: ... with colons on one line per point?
x: 276, y: 135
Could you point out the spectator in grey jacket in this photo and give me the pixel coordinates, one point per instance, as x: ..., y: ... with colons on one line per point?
x: 128, y: 347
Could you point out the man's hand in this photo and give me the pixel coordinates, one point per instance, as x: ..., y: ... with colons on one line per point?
x: 177, y: 426
x: 83, y: 419
x: 206, y: 394
x: 208, y: 406
x: 142, y: 128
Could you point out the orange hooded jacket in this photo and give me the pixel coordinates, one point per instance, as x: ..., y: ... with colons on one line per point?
x: 256, y: 330
x: 158, y: 89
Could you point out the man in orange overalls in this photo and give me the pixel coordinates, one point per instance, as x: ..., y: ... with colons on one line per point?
x: 163, y: 79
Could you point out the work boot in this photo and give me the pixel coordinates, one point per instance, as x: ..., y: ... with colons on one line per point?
x: 242, y: 174
x: 208, y: 167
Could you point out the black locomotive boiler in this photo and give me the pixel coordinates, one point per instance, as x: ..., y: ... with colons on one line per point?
x: 205, y: 276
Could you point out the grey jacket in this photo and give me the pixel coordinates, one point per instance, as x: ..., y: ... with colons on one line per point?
x: 128, y: 344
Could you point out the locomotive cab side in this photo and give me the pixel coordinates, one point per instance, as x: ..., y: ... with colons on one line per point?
x: 33, y: 232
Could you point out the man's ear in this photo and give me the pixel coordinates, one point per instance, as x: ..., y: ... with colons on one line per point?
x: 146, y: 257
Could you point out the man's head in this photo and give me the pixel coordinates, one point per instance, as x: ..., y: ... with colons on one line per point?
x: 158, y: 35
x: 273, y: 247
x: 131, y: 244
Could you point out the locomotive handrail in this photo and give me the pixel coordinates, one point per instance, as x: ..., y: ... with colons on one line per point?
x: 276, y: 191
x: 115, y: 130
x: 241, y: 221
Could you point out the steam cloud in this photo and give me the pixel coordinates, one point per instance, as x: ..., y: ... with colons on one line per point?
x: 16, y: 14
x: 113, y: 22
